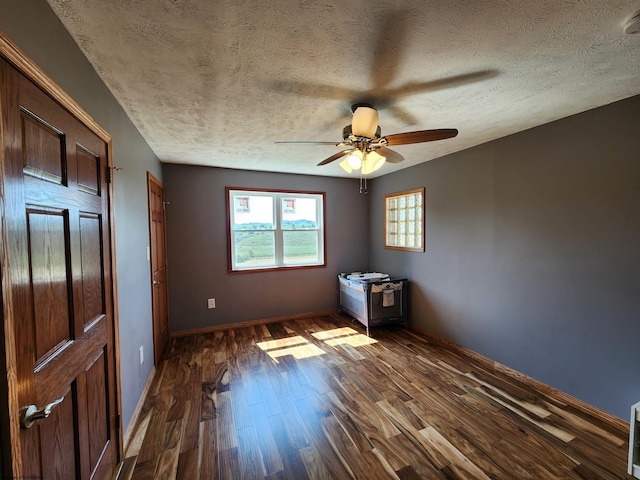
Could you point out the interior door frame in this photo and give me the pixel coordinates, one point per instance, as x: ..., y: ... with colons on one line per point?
x: 10, y: 453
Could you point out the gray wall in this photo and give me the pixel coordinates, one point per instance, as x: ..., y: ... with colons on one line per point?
x: 533, y: 252
x: 33, y: 26
x: 197, y: 245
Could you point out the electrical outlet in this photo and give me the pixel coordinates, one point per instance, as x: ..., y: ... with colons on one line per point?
x: 211, y: 303
x: 141, y: 354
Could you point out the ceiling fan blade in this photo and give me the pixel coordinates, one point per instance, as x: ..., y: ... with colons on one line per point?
x: 403, y: 115
x: 420, y: 136
x: 315, y: 90
x: 335, y: 144
x: 390, y: 48
x: 411, y: 88
x: 335, y: 157
x: 390, y: 155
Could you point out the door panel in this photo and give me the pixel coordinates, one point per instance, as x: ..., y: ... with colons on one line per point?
x: 97, y: 401
x: 59, y: 456
x: 91, y: 266
x: 158, y: 266
x: 47, y: 232
x: 88, y: 164
x: 59, y: 257
x: 43, y: 149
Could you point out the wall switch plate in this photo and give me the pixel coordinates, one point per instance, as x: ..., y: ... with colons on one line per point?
x: 211, y: 303
x: 148, y: 254
x: 141, y: 354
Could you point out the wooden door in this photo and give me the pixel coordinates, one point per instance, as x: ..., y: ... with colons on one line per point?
x: 158, y: 266
x: 57, y: 287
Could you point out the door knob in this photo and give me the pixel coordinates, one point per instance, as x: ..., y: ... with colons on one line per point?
x: 32, y: 414
x: 156, y: 282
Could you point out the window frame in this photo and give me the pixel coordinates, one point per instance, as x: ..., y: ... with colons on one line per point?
x: 278, y: 230
x: 421, y: 220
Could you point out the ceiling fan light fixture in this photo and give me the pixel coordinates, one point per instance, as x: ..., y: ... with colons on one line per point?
x: 372, y: 162
x: 344, y: 164
x: 365, y: 122
x: 378, y: 160
x: 354, y: 160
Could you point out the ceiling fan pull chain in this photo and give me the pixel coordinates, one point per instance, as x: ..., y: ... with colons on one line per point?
x: 363, y: 184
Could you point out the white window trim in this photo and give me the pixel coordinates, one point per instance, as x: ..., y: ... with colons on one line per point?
x: 278, y: 197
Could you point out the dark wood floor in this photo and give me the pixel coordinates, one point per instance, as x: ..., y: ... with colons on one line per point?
x: 318, y: 399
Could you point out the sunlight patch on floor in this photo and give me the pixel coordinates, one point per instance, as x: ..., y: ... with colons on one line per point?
x: 282, y: 342
x: 299, y: 347
x: 336, y: 332
x: 301, y: 351
x: 357, y: 340
x: 344, y: 336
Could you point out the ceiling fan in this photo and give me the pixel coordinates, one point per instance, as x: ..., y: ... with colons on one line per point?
x: 367, y: 150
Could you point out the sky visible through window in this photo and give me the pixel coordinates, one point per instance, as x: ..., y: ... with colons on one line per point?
x: 260, y: 210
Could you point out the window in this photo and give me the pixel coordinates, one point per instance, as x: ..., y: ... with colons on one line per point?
x: 272, y: 229
x: 404, y: 220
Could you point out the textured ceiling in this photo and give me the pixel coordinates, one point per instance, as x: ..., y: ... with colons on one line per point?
x: 216, y: 82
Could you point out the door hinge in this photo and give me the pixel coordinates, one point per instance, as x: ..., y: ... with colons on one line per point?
x: 110, y: 171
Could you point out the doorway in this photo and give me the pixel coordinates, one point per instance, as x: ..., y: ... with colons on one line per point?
x: 158, y: 257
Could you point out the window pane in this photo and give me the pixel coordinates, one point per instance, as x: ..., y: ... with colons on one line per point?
x: 253, y: 212
x: 299, y: 213
x: 254, y: 249
x: 275, y: 229
x: 300, y: 247
x: 404, y: 223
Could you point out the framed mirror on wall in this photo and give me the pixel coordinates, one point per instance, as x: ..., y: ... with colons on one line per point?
x: 404, y: 220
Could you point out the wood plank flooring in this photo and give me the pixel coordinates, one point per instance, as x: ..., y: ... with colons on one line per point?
x: 318, y: 399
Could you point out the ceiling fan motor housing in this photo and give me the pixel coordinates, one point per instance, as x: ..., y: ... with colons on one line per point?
x: 365, y: 120
x: 347, y: 133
